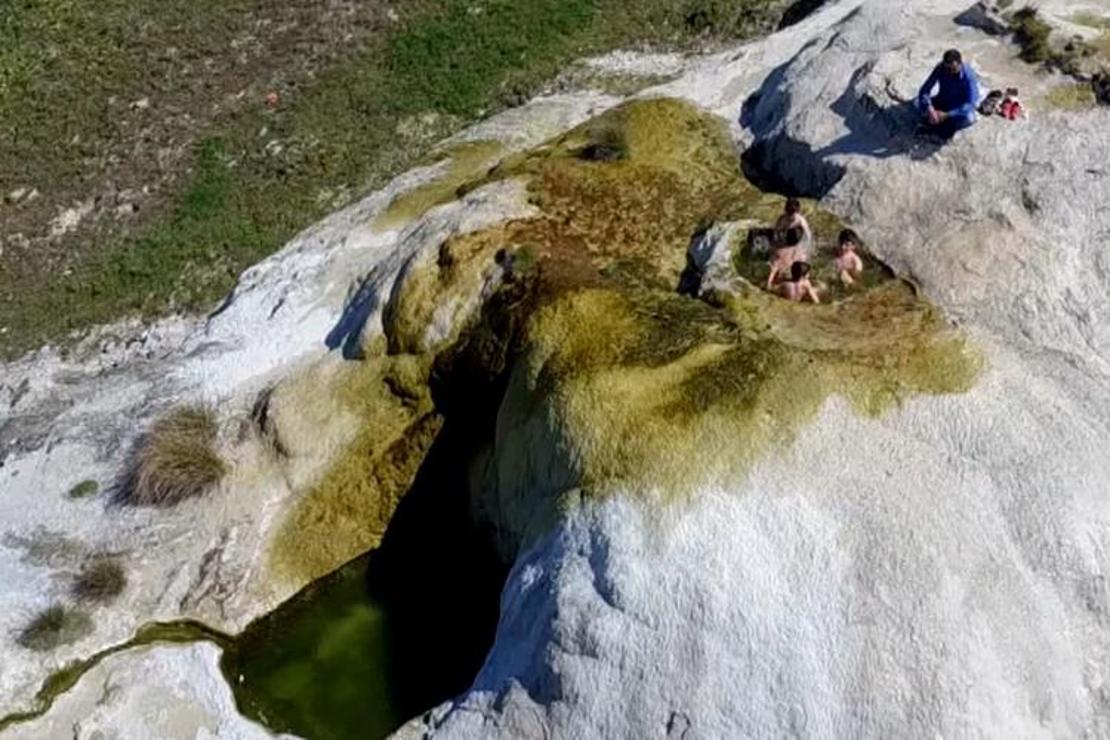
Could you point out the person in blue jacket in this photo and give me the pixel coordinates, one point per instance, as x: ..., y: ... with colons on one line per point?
x: 953, y: 107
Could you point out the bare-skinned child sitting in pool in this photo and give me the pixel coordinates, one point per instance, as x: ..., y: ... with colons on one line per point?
x: 785, y: 255
x: 847, y: 263
x: 792, y: 218
x: 798, y: 288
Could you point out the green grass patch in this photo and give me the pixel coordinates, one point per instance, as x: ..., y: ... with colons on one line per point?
x: 101, y: 580
x: 1072, y: 97
x: 256, y: 175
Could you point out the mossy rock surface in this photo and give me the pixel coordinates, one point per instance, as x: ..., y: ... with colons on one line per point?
x: 644, y: 389
x: 84, y: 489
x: 652, y: 390
x: 657, y: 392
x: 346, y: 510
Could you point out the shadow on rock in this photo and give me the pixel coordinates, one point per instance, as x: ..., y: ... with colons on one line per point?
x: 437, y: 572
x: 439, y: 581
x: 798, y: 11
x: 779, y: 162
x: 347, y: 332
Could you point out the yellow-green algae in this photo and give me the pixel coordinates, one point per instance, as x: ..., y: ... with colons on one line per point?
x: 464, y: 161
x: 84, y: 489
x: 1072, y: 96
x: 66, y: 678
x: 654, y: 391
x: 346, y: 511
x: 650, y: 388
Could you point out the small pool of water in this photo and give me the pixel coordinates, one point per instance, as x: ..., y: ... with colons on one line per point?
x: 318, y: 665
x: 389, y: 635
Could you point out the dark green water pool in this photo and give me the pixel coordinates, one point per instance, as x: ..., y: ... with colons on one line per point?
x: 391, y: 634
x: 318, y: 665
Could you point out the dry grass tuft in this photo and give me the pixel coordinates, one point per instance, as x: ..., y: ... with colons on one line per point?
x: 175, y: 460
x: 101, y: 580
x: 56, y: 626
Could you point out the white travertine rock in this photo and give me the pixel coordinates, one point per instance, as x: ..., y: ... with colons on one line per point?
x: 154, y: 692
x: 936, y: 571
x: 709, y: 259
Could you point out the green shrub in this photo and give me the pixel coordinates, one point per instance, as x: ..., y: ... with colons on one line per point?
x: 1031, y: 33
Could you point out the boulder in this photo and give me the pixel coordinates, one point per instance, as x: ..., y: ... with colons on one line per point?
x: 709, y: 260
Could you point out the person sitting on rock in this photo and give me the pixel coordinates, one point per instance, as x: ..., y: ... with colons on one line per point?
x: 798, y: 288
x: 848, y: 264
x: 792, y: 218
x: 785, y: 255
x: 953, y: 107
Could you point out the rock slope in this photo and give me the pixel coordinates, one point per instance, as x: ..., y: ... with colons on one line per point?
x: 724, y: 520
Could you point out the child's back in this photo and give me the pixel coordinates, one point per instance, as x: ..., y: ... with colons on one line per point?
x: 785, y: 256
x: 798, y: 288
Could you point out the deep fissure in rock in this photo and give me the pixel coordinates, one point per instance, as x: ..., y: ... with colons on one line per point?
x: 407, y: 626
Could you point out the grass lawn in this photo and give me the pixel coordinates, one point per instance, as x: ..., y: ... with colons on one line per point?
x: 151, y: 120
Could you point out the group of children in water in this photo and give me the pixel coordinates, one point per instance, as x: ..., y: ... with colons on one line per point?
x: 793, y: 243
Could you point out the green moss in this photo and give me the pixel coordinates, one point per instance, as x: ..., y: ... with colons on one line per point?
x: 84, y: 489
x: 345, y: 512
x: 657, y: 392
x: 464, y: 163
x: 1072, y: 97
